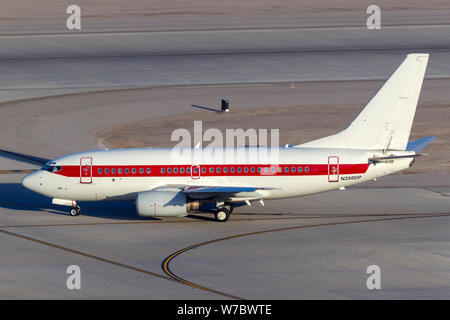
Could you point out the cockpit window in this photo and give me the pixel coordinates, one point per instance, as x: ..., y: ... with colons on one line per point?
x: 51, y: 168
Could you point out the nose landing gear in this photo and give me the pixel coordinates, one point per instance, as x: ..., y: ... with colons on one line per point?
x: 75, y: 211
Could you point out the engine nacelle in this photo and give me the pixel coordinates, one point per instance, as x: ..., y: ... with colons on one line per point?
x: 163, y: 204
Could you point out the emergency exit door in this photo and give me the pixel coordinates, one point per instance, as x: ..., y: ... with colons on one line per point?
x: 333, y: 169
x: 86, y: 170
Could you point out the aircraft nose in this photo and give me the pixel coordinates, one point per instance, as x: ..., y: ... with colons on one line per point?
x: 31, y: 181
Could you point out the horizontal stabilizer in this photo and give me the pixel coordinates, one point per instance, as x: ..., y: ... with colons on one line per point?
x: 419, y: 144
x: 389, y: 158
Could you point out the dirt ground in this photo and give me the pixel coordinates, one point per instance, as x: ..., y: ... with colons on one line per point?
x: 297, y: 125
x: 51, y: 9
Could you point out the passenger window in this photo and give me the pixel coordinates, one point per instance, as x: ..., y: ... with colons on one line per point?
x: 195, y: 170
x: 245, y: 169
x: 266, y: 169
x: 286, y: 169
x: 280, y: 169
x: 203, y: 170
x: 169, y: 170
x: 225, y: 170
x: 218, y: 170
x: 148, y: 170
x: 300, y: 169
x: 232, y: 169
x: 211, y: 170
x: 120, y: 171
x: 106, y: 170
x: 293, y: 169
x: 239, y: 170
x: 141, y: 170
x: 306, y: 169
x: 175, y: 170
x: 113, y: 170
x: 181, y: 170
x: 162, y: 170
x: 127, y: 171
x: 99, y: 170
x: 259, y: 169
x: 133, y: 170
x: 252, y: 169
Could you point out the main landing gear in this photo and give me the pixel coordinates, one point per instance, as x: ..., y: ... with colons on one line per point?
x: 75, y: 211
x: 223, y: 212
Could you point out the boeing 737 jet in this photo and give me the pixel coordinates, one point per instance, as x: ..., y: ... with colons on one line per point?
x: 373, y: 145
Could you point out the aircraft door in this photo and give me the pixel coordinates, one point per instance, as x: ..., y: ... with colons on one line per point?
x: 86, y: 170
x: 333, y: 169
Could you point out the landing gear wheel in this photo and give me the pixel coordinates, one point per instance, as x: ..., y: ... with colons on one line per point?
x: 75, y: 211
x: 222, y: 214
x: 229, y: 207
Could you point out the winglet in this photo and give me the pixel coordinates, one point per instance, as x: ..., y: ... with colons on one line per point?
x: 419, y: 144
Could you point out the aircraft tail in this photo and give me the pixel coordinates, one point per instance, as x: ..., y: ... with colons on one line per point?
x: 385, y: 122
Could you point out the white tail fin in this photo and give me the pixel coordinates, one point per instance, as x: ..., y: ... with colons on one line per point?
x: 385, y: 122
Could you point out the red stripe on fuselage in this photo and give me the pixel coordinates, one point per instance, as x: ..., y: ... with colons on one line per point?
x: 225, y: 170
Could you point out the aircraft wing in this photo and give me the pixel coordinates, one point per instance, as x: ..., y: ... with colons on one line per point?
x: 215, y: 189
x: 23, y: 157
x: 222, y: 192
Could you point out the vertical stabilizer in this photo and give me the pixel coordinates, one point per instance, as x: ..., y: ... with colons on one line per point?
x: 385, y: 122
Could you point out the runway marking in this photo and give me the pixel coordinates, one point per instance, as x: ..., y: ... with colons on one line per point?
x: 165, y: 265
x: 265, y: 217
x: 87, y: 255
x: 231, y: 53
x: 222, y: 30
x: 203, y: 30
x: 166, y: 262
x: 83, y: 254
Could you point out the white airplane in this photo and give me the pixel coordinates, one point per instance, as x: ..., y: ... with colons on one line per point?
x: 375, y: 144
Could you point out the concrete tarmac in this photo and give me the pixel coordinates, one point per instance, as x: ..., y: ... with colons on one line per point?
x: 317, y: 246
x: 49, y: 64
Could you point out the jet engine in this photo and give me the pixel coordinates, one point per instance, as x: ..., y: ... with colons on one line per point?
x: 164, y: 204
